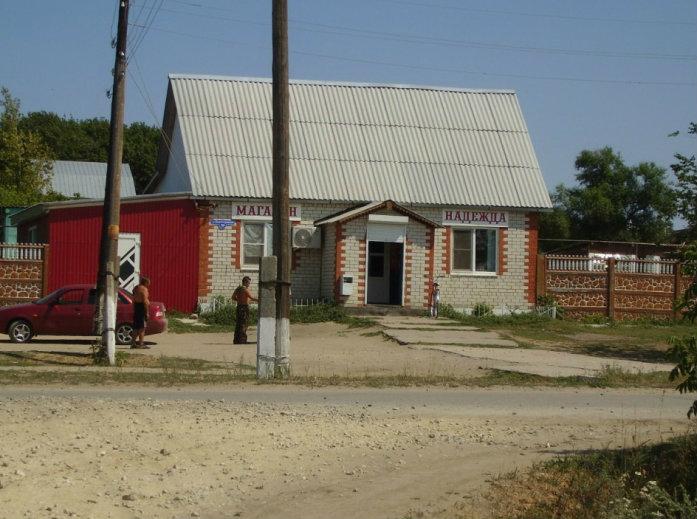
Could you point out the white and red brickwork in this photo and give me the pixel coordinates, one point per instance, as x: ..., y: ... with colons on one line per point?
x: 427, y: 258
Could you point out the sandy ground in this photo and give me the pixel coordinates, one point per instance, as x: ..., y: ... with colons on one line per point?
x: 320, y: 349
x: 295, y: 453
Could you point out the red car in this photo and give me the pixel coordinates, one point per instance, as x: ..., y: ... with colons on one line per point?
x: 69, y: 311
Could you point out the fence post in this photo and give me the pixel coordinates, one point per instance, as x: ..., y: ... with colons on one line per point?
x: 677, y: 289
x: 611, y: 262
x: 541, y: 275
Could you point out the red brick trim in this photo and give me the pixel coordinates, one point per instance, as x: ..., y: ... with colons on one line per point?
x: 295, y: 253
x: 204, y: 248
x: 531, y: 247
x: 502, y: 267
x: 447, y: 239
x: 408, y: 254
x: 237, y: 245
x: 362, y: 272
x: 339, y: 263
x: 430, y: 257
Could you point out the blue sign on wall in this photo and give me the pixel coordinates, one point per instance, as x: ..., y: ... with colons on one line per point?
x: 223, y: 223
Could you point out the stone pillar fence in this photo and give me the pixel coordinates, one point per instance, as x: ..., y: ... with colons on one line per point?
x: 23, y: 272
x: 620, y: 289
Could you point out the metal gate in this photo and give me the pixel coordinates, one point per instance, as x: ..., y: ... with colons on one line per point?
x: 129, y: 261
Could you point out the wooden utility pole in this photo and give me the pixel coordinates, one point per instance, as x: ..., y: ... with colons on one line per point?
x: 108, y: 272
x: 281, y: 209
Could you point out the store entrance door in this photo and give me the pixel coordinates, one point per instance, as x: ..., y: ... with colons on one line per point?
x: 385, y: 273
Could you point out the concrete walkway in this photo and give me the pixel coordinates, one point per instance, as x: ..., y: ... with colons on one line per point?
x: 493, y: 351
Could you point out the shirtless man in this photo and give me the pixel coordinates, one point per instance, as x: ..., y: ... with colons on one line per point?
x: 141, y: 309
x: 242, y: 297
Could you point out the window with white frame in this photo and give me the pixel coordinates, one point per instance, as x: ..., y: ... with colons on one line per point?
x: 256, y: 243
x: 474, y: 250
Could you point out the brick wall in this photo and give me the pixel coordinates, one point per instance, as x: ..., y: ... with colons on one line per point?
x: 316, y: 272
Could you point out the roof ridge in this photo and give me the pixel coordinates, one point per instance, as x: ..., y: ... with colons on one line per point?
x: 245, y: 79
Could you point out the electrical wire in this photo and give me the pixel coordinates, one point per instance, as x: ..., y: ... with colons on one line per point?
x: 435, y: 69
x: 147, y: 24
x: 495, y: 12
x: 428, y: 40
x: 143, y: 91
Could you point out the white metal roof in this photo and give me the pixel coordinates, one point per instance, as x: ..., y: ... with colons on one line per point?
x: 87, y: 179
x: 358, y: 142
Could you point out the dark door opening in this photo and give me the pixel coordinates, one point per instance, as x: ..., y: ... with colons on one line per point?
x: 385, y: 273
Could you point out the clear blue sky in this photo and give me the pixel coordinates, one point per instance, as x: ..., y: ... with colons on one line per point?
x: 625, y: 71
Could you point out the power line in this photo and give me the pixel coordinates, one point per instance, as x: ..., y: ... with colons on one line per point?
x: 495, y: 12
x: 435, y: 69
x: 148, y: 23
x: 143, y: 91
x: 428, y: 40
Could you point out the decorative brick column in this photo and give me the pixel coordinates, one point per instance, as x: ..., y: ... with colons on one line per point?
x: 408, y: 255
x: 295, y: 253
x: 237, y: 245
x: 339, y: 261
x: 205, y: 245
x: 362, y: 272
x: 447, y: 238
x: 429, y: 272
x: 503, y: 251
x: 531, y: 245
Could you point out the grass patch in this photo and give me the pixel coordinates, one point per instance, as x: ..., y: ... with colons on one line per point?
x: 645, y: 340
x: 123, y: 359
x: 642, y: 482
x: 222, y: 320
x: 173, y: 371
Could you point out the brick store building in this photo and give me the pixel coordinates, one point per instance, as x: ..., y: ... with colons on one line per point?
x: 392, y: 188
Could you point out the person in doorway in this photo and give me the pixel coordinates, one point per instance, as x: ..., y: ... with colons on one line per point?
x: 141, y: 309
x: 434, y: 300
x: 242, y: 296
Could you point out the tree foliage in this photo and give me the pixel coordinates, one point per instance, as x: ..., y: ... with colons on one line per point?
x: 685, y: 170
x: 88, y: 140
x: 25, y: 160
x: 613, y: 201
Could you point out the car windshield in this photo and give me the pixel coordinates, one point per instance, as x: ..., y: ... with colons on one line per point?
x: 44, y: 300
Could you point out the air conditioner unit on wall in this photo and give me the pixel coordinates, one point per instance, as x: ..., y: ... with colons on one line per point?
x: 306, y: 237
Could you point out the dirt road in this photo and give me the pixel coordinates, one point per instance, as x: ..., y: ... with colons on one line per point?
x: 266, y: 452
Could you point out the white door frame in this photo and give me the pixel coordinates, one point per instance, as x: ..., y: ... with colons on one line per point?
x: 401, y: 221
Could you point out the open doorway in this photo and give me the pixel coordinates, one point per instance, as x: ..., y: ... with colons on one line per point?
x: 385, y: 273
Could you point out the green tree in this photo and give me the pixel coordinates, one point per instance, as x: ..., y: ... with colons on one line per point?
x: 88, y: 140
x: 685, y: 170
x: 25, y: 160
x: 140, y: 152
x: 614, y: 201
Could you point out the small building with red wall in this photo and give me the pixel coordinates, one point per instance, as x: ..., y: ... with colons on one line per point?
x: 164, y: 229
x: 392, y: 189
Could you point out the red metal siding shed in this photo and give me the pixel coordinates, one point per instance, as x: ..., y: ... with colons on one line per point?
x: 169, y: 247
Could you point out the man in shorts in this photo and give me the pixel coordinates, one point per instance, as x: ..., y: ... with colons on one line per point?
x: 141, y: 309
x: 242, y: 297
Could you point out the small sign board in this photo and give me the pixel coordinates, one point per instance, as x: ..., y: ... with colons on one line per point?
x: 223, y: 223
x: 475, y: 218
x: 261, y: 212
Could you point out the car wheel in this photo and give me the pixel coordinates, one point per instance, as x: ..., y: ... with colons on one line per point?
x: 20, y: 331
x: 124, y: 333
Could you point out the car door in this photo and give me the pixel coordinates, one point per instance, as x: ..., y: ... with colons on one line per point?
x: 65, y: 314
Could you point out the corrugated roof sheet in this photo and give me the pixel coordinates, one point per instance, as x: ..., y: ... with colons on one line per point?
x: 87, y: 179
x: 353, y: 142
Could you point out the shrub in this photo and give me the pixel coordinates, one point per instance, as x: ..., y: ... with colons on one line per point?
x: 482, y: 310
x: 549, y: 301
x: 684, y: 353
